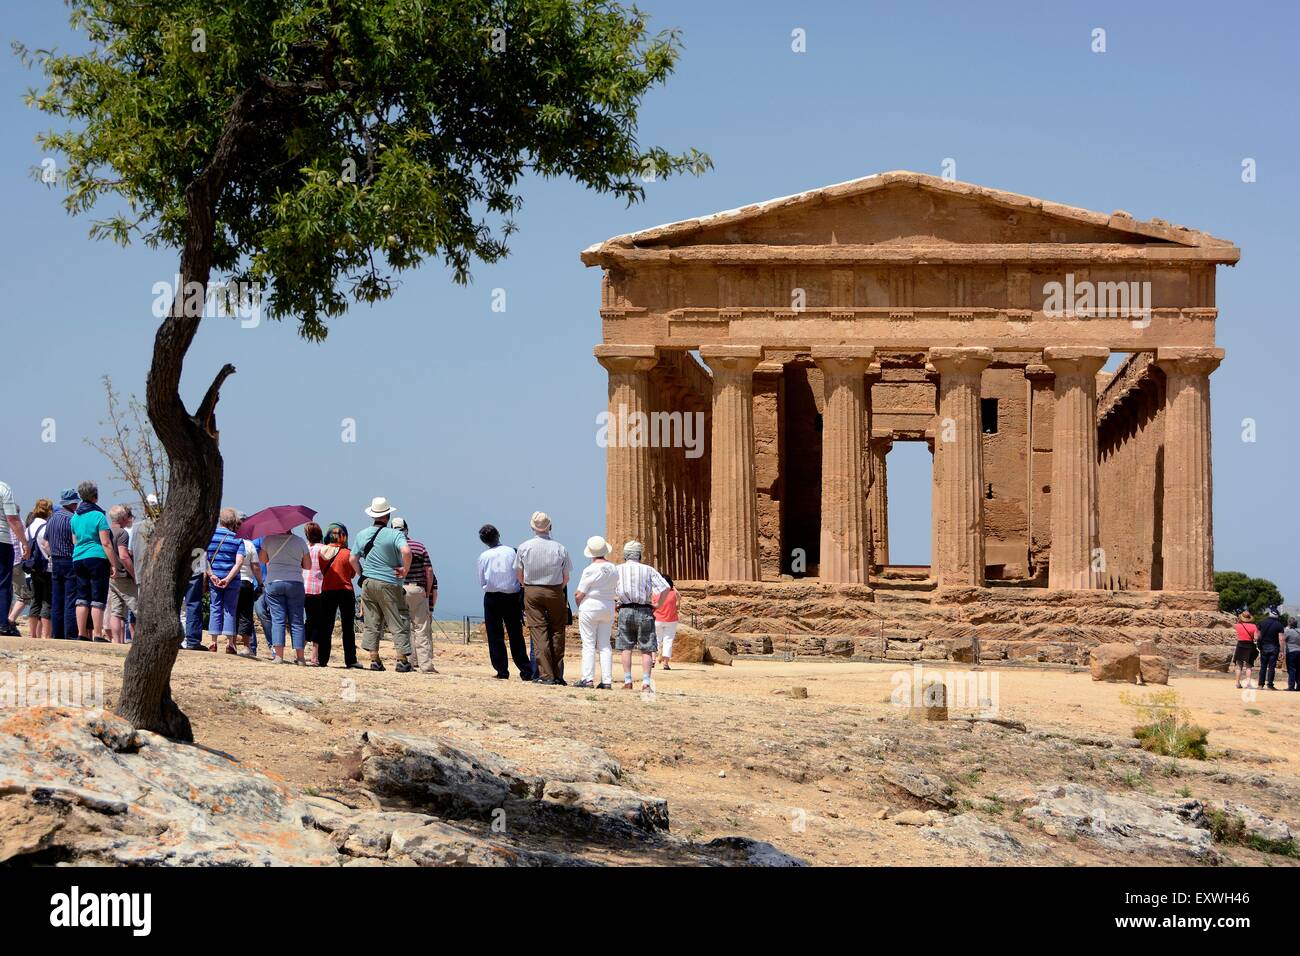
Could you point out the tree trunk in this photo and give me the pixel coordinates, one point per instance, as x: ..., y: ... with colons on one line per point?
x: 194, y: 494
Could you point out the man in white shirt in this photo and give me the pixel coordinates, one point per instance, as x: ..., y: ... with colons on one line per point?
x: 13, y: 549
x: 639, y: 587
x: 503, y: 605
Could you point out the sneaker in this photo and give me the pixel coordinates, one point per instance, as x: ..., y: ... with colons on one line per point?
x: 561, y: 682
x: 604, y: 687
x: 584, y: 683
x: 9, y: 631
x: 403, y: 667
x: 379, y: 666
x: 501, y: 676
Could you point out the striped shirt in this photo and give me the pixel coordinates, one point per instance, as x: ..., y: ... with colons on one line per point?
x: 223, y: 549
x: 638, y: 583
x: 419, y: 561
x: 58, y: 534
x: 313, y: 580
x: 543, y: 561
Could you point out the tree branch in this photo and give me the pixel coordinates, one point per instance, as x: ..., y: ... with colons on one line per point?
x: 208, y: 407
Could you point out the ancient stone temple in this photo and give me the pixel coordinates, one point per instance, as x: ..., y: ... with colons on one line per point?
x: 763, y: 362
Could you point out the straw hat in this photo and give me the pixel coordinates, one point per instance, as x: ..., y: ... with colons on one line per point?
x: 379, y: 507
x: 540, y: 521
x: 1246, y: 617
x: 597, y: 547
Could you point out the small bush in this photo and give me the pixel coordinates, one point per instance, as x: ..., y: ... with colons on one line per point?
x: 1230, y: 828
x: 1168, y: 729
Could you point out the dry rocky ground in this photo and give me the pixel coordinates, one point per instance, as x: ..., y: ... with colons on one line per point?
x: 839, y: 776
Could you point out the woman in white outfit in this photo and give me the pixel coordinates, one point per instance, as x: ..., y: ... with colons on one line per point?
x: 595, y: 599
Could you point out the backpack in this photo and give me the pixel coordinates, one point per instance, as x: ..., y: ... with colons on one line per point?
x: 35, y: 560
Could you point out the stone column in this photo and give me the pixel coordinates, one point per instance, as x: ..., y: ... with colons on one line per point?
x: 629, y: 500
x: 959, y: 468
x: 846, y: 423
x: 1187, y: 529
x: 878, y: 496
x: 733, y: 512
x: 1076, y: 562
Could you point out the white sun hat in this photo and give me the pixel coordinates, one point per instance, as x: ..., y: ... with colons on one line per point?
x: 379, y: 507
x: 597, y: 547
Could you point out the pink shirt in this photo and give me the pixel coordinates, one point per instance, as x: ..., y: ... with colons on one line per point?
x: 666, y: 612
x: 312, y: 579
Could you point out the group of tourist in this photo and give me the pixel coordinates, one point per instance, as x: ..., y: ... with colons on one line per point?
x: 1267, y: 641
x: 79, y: 569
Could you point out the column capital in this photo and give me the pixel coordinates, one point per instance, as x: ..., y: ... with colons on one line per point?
x: 822, y: 353
x: 971, y: 360
x: 1189, y: 360
x: 740, y: 359
x: 627, y: 358
x: 775, y: 369
x: 1075, y: 359
x: 1039, y: 373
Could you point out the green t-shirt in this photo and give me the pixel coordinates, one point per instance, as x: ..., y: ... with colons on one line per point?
x: 86, y: 528
x: 384, y: 556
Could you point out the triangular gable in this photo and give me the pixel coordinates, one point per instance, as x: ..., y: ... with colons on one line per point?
x: 900, y: 207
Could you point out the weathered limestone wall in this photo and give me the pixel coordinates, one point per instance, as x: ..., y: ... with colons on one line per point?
x: 1130, y: 441
x: 1006, y: 476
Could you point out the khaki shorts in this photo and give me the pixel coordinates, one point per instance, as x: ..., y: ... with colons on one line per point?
x: 121, y: 597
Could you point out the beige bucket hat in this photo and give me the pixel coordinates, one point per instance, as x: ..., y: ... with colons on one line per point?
x: 597, y: 547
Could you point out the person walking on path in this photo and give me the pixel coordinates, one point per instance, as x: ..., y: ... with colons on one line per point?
x: 543, y: 568
x: 37, y: 564
x: 338, y: 599
x: 595, y: 597
x: 13, y: 551
x: 421, y: 590
x: 1270, y: 646
x: 503, y: 605
x: 1243, y: 658
x: 1292, y: 636
x: 384, y: 558
x: 666, y: 622
x: 285, y: 557
x: 121, y: 589
x: 639, y: 589
x: 94, y: 561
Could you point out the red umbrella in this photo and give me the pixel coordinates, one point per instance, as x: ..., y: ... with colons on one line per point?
x: 278, y: 519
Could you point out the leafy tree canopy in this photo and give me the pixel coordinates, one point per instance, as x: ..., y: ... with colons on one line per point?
x: 352, y: 139
x: 1238, y: 590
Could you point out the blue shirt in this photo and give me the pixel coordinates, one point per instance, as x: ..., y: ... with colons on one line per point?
x: 223, y: 549
x: 86, y: 528
x: 496, y: 570
x: 384, y: 557
x: 58, y: 534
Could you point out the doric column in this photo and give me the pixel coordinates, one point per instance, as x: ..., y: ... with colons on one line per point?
x: 1076, y: 561
x: 846, y: 423
x: 1188, y: 531
x: 733, y: 511
x: 959, y: 467
x: 878, y: 496
x: 629, y: 501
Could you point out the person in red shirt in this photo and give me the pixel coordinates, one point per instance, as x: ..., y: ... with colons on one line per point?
x: 666, y: 622
x: 1244, y: 656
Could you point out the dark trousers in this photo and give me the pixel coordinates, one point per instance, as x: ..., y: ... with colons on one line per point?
x: 248, y: 593
x: 6, y: 583
x: 1293, y: 670
x: 546, y: 610
x: 63, y: 599
x: 194, y: 612
x: 503, y: 613
x: 342, y: 604
x: 1267, y: 665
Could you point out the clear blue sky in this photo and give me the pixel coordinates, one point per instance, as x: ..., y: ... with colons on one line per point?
x: 465, y: 415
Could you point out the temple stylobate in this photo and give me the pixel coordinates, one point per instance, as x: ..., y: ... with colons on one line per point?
x: 809, y: 335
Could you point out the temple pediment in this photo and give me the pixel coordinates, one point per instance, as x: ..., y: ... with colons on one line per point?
x: 897, y: 216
